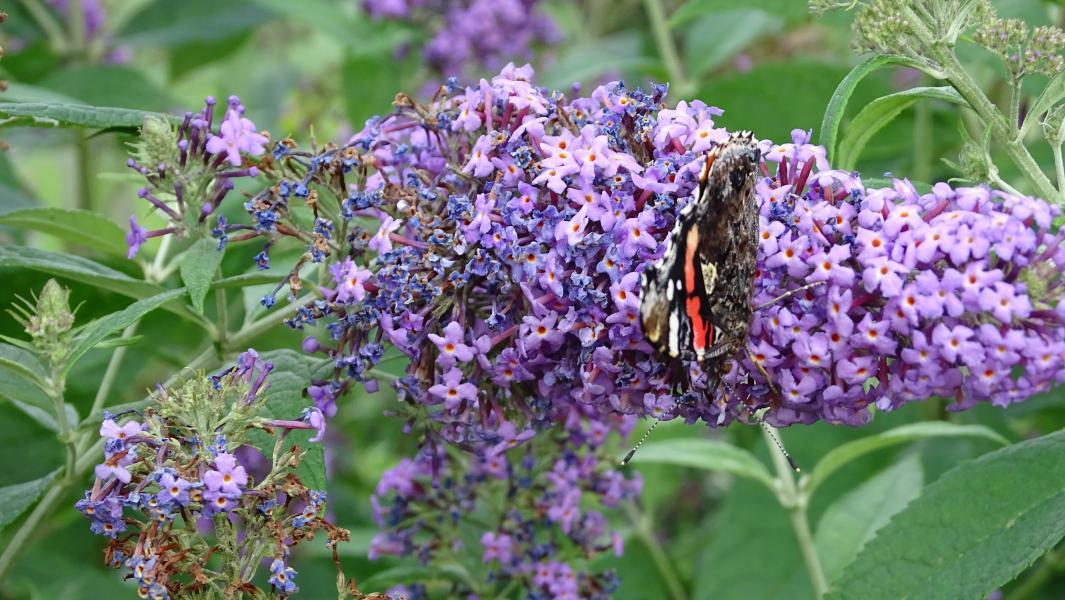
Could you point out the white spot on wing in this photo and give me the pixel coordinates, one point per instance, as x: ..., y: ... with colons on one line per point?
x: 674, y: 333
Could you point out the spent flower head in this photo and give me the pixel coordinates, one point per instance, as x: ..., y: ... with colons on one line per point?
x: 169, y: 501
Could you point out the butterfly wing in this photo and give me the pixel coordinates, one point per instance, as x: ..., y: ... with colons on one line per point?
x: 701, y: 287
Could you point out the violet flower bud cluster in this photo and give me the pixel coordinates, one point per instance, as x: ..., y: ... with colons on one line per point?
x: 171, y: 491
x: 191, y: 172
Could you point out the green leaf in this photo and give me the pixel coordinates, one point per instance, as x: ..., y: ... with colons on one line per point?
x: 168, y: 23
x: 17, y: 387
x: 406, y: 574
x: 15, y: 499
x: 1051, y: 95
x: 971, y: 531
x: 717, y: 37
x: 851, y: 521
x: 109, y: 85
x: 82, y: 227
x: 878, y: 113
x: 691, y: 10
x: 99, y: 329
x: 750, y: 551
x: 53, y: 114
x: 899, y: 435
x: 837, y: 105
x: 198, y: 268
x: 285, y: 400
x: 711, y: 455
x: 46, y: 417
x: 117, y: 342
x: 87, y: 271
x: 23, y: 362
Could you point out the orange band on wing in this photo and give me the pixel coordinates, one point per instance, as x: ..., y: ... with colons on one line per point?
x: 711, y: 156
x: 701, y: 329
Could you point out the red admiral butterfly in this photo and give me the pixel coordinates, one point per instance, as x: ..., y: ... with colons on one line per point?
x: 695, y: 302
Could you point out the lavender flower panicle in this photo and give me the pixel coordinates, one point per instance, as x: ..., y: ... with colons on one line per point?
x: 189, y: 173
x: 954, y: 293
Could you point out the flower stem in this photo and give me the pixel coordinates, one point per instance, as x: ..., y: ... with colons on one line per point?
x: 223, y: 316
x: 794, y: 500
x: 1015, y: 107
x: 112, y: 370
x: 56, y: 389
x: 1059, y: 165
x: 666, y: 48
x: 1007, y: 133
x: 76, y: 26
x: 641, y: 524
x: 1000, y: 127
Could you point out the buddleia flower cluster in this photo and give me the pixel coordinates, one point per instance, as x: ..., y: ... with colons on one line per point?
x: 472, y: 35
x: 955, y: 293
x: 539, y: 512
x: 184, y: 514
x: 190, y: 171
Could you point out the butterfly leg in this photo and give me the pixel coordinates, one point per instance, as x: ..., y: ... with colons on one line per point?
x: 765, y: 374
x: 788, y: 294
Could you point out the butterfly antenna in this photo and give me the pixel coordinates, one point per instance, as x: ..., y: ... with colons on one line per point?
x: 788, y: 294
x: 780, y: 446
x: 763, y: 424
x: 643, y: 439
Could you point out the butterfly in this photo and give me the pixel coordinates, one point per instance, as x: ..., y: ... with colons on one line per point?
x: 696, y: 300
